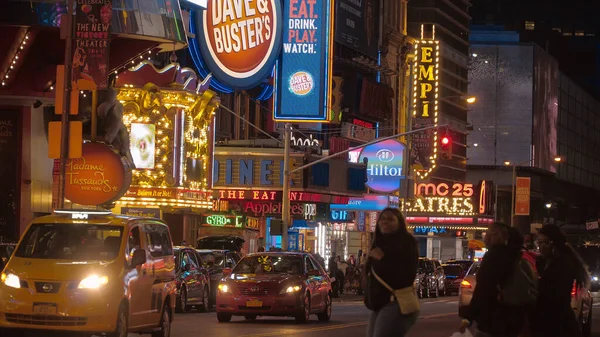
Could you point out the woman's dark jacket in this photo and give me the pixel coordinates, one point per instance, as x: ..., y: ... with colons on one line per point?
x: 485, y: 308
x: 553, y: 316
x: 398, y: 267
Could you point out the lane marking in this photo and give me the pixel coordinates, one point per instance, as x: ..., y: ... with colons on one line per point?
x: 452, y: 302
x: 296, y: 331
x: 334, y: 327
x: 439, y: 315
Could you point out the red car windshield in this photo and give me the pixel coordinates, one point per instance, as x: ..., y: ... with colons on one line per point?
x: 270, y: 264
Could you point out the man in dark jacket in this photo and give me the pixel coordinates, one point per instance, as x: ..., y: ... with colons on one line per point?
x: 493, y: 318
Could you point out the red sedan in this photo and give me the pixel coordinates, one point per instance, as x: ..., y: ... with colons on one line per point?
x: 275, y: 284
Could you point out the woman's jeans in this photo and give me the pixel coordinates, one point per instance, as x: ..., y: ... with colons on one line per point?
x: 389, y: 322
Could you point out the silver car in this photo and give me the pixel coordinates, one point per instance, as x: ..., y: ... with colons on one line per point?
x: 467, y: 286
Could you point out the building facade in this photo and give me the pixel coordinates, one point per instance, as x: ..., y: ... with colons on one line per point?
x: 532, y: 118
x: 448, y: 21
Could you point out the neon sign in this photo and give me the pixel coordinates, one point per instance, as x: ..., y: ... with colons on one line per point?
x: 384, y: 167
x: 440, y: 205
x: 443, y: 189
x: 425, y: 106
x: 430, y: 229
x: 220, y: 220
x: 268, y: 195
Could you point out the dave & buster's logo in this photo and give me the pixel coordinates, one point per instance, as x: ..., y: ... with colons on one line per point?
x: 241, y: 40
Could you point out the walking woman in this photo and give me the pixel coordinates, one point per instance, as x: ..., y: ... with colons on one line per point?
x: 391, y: 265
x: 558, y: 267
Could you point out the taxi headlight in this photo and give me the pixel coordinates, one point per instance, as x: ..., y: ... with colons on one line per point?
x: 291, y: 289
x: 11, y: 280
x: 93, y: 282
x: 223, y: 288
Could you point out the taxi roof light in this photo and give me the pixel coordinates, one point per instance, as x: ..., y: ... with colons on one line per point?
x: 82, y: 214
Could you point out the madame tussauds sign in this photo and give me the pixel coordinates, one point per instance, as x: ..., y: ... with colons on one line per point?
x: 240, y: 40
x: 99, y: 177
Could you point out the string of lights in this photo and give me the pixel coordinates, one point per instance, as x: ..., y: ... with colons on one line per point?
x: 16, y: 58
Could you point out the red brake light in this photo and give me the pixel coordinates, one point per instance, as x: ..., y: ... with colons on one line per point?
x: 574, y: 290
x: 465, y: 284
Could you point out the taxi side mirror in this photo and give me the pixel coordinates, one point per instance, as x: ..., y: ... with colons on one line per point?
x: 139, y: 257
x: 226, y: 271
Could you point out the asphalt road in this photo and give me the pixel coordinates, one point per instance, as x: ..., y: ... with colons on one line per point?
x: 349, y: 319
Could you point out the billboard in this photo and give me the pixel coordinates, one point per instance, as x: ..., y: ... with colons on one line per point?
x: 142, y: 145
x: 240, y: 44
x: 423, y: 152
x: 522, y: 196
x: 545, y: 109
x: 303, y: 77
x: 384, y: 165
x: 501, y: 77
x: 356, y: 25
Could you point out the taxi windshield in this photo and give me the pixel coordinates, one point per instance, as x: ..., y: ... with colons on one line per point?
x: 270, y: 264
x: 71, y: 242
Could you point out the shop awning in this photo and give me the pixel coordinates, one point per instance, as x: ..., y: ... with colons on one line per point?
x: 476, y: 244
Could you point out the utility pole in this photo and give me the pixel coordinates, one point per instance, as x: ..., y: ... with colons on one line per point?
x: 64, y: 137
x: 287, y: 175
x: 285, y: 207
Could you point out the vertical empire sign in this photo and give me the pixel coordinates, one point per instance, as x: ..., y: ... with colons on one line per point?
x: 303, y: 78
x: 522, y: 196
x: 92, y: 31
x: 423, y: 152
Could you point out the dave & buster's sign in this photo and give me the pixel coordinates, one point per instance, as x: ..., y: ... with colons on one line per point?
x: 240, y: 40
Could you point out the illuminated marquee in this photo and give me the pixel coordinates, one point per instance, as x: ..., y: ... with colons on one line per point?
x: 425, y: 106
x: 480, y: 195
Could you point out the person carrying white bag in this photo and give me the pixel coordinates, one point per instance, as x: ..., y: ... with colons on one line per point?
x: 390, y: 273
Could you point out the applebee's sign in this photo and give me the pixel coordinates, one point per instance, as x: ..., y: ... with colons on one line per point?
x: 385, y: 161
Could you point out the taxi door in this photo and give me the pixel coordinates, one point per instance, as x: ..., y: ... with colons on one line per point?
x: 139, y: 279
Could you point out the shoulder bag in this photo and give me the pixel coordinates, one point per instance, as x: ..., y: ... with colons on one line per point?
x: 406, y: 297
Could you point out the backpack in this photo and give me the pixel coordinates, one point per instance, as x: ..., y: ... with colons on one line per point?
x: 521, y: 288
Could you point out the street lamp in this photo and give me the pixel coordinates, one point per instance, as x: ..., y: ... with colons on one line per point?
x: 514, y: 183
x: 471, y: 99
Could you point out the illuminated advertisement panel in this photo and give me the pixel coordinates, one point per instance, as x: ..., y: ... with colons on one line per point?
x: 425, y: 106
x: 384, y: 165
x: 303, y: 77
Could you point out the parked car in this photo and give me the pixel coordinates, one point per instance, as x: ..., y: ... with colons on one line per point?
x: 581, y: 299
x: 454, y: 274
x: 193, y: 281
x: 275, y: 284
x: 90, y: 273
x: 219, y: 264
x: 465, y: 264
x: 430, y: 280
x: 221, y: 242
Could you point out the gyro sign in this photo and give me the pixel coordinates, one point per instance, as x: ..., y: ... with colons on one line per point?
x: 241, y: 40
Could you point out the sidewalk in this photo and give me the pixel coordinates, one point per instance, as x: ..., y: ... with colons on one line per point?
x: 349, y: 298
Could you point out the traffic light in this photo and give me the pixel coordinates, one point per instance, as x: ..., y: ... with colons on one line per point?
x: 446, y: 146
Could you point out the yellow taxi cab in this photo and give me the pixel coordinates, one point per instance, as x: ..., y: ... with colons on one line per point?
x: 91, y: 272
